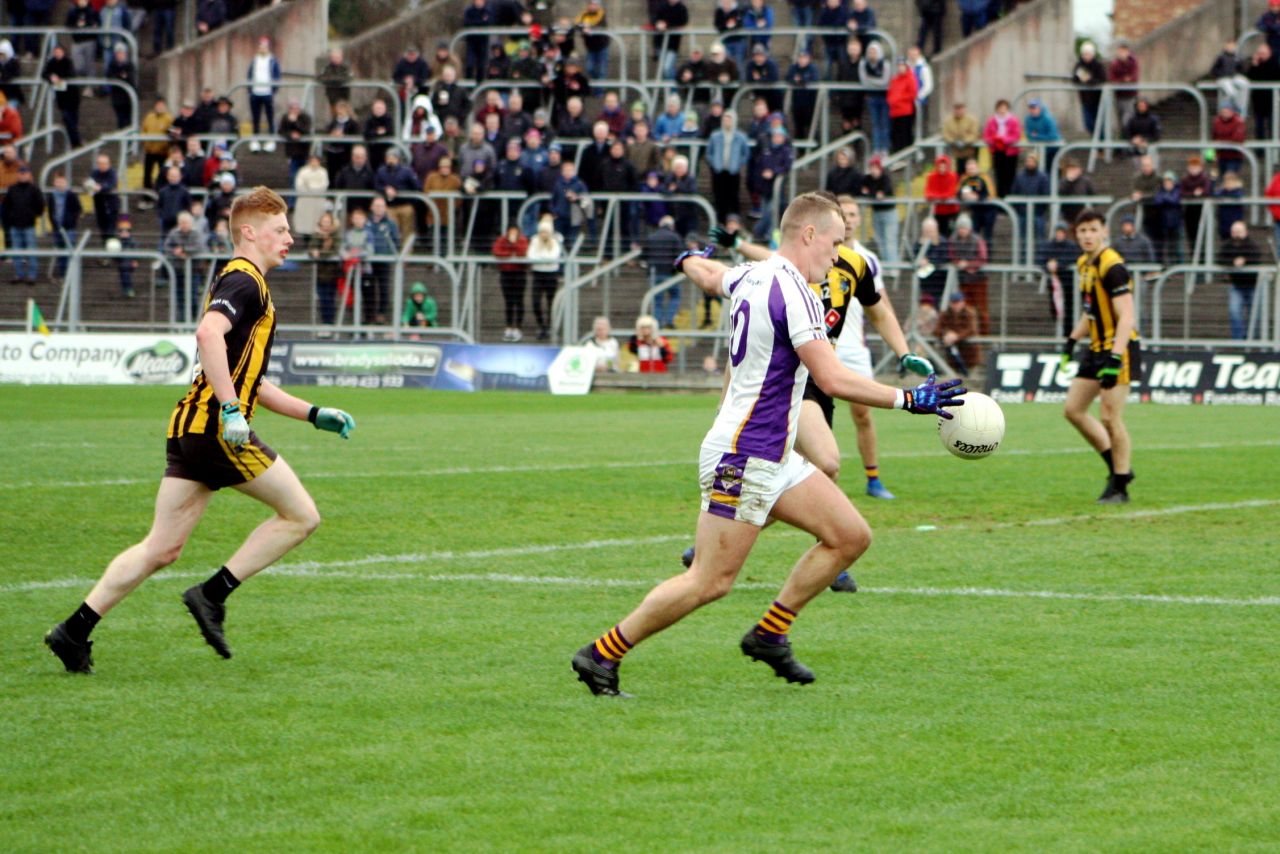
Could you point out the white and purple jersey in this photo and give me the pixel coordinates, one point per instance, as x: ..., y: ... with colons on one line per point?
x: 774, y: 311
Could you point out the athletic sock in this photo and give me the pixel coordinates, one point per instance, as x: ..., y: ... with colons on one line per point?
x: 873, y: 472
x: 1121, y: 481
x: 1106, y: 458
x: 219, y: 587
x: 775, y: 623
x: 81, y: 623
x: 610, y: 647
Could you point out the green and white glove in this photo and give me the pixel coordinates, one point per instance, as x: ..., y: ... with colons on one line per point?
x: 333, y: 420
x: 235, y: 430
x: 915, y: 364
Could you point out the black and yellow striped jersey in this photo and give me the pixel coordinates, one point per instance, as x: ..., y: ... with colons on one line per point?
x: 850, y: 278
x: 1102, y: 279
x: 241, y: 294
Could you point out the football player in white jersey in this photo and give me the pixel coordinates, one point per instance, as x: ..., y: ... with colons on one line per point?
x: 852, y: 287
x: 747, y: 470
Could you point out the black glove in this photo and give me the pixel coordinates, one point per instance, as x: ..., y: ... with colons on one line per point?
x: 719, y: 235
x: 1068, y: 350
x: 1109, y: 375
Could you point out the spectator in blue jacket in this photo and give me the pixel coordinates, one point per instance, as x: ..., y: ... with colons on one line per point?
x: 384, y: 240
x: 1268, y: 25
x: 670, y: 122
x: 762, y: 69
x: 1031, y: 180
x: 476, y: 16
x: 973, y: 15
x: 64, y: 212
x: 833, y: 16
x: 1040, y: 128
x: 771, y: 167
x: 728, y: 151
x: 264, y: 80
x: 33, y: 13
x: 862, y: 20
x: 758, y: 16
x: 173, y: 199
x: 802, y: 76
x: 393, y: 178
x: 568, y: 202
x: 1168, y: 205
x: 874, y: 71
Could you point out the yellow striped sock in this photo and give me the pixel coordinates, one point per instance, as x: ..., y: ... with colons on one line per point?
x: 776, y: 622
x: 873, y: 472
x: 611, y: 645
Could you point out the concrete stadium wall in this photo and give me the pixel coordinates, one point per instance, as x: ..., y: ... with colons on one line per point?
x: 373, y: 53
x: 299, y: 29
x: 994, y: 63
x: 1184, y: 49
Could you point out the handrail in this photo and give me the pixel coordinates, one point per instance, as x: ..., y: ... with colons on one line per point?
x: 693, y: 34
x: 820, y: 156
x: 1102, y: 129
x: 114, y: 33
x: 560, y: 317
x: 309, y: 86
x: 612, y: 34
x: 646, y: 93
x: 1157, y: 309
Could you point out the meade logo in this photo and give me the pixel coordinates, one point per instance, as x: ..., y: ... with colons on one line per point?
x: 160, y: 363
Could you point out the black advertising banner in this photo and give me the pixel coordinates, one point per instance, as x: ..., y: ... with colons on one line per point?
x: 1168, y: 376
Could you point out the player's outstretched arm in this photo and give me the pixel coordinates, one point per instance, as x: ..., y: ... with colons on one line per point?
x: 835, y: 379
x: 281, y: 402
x: 885, y: 320
x: 738, y: 242
x: 703, y: 272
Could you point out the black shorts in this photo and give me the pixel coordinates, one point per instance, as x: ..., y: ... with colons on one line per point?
x: 824, y: 400
x: 1130, y: 370
x: 211, y: 461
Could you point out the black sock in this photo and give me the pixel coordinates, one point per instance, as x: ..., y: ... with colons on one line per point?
x: 219, y: 587
x: 1106, y: 458
x: 1121, y: 481
x: 81, y: 623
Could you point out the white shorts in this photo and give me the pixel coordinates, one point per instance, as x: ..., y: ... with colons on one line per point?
x: 736, y: 486
x: 857, y: 360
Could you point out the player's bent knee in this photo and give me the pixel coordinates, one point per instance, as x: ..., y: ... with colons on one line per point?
x: 714, y: 587
x: 851, y: 541
x: 830, y: 467
x: 160, y: 555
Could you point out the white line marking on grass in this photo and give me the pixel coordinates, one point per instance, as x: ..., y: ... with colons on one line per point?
x: 301, y: 571
x: 1103, y: 516
x: 617, y: 464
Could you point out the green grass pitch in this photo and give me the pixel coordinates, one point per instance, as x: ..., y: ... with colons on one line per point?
x: 1035, y: 673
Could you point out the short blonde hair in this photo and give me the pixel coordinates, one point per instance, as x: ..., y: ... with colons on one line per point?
x: 253, y: 207
x: 809, y: 209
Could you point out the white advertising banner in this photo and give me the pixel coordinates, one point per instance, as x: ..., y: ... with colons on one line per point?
x: 572, y: 371
x: 97, y: 359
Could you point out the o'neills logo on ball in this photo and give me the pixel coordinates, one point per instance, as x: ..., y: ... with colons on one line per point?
x: 160, y: 363
x: 966, y: 448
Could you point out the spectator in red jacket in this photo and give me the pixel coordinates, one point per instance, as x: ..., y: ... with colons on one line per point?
x: 1273, y: 192
x: 903, y: 88
x: 1002, y: 134
x: 940, y: 187
x: 512, y: 278
x: 10, y: 121
x: 652, y: 351
x: 1229, y: 126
